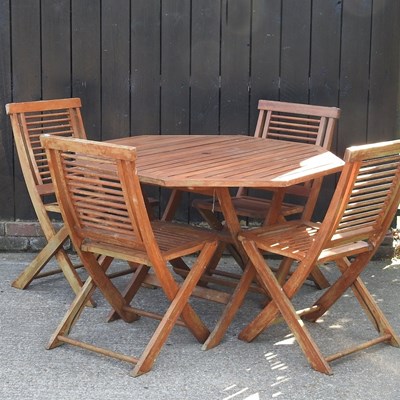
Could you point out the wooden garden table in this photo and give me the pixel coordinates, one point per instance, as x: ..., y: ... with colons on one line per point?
x: 215, y: 163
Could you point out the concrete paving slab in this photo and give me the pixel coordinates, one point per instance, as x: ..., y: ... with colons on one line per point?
x: 271, y: 367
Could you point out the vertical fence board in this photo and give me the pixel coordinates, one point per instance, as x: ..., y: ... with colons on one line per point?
x: 26, y: 78
x: 175, y: 66
x: 145, y: 69
x: 205, y: 68
x: 175, y: 76
x: 205, y: 62
x: 115, y: 64
x: 235, y: 66
x: 354, y: 74
x: 6, y: 142
x: 265, y: 54
x: 56, y: 49
x: 325, y: 50
x: 86, y: 53
x: 325, y: 72
x: 382, y: 121
x: 295, y: 58
x: 26, y: 50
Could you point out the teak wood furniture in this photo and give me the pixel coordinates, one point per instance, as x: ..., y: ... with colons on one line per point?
x: 61, y: 117
x: 300, y: 123
x: 361, y: 211
x: 105, y: 213
x: 216, y: 163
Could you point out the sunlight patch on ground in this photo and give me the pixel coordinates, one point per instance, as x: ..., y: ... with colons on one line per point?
x: 254, y: 396
x: 287, y: 341
x: 336, y: 326
x: 395, y: 264
x: 274, y: 363
x: 279, y: 380
x: 237, y: 392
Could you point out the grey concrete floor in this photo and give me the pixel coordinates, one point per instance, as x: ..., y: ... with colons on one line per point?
x: 271, y: 367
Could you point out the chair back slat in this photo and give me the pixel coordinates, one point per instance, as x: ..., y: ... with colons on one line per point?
x: 296, y: 122
x: 59, y: 117
x: 302, y: 123
x: 367, y: 195
x: 101, y: 191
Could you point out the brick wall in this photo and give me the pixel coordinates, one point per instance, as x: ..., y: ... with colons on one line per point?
x: 23, y: 236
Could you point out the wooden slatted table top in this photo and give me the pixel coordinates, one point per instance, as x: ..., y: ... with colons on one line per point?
x: 227, y: 161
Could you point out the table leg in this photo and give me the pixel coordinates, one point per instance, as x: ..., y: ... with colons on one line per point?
x: 231, y: 220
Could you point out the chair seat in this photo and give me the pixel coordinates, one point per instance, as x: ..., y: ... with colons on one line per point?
x: 293, y: 239
x: 248, y: 206
x: 174, y: 240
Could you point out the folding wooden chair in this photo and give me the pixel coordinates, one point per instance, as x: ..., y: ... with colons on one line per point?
x: 104, y: 211
x: 61, y: 117
x: 282, y: 121
x: 359, y: 215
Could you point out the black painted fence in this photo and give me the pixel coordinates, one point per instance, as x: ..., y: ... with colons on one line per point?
x: 197, y: 66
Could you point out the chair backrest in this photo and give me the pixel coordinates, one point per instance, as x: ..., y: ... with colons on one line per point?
x: 367, y: 195
x: 60, y: 117
x: 99, y: 193
x: 297, y: 122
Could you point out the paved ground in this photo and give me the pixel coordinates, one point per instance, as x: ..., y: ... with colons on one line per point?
x: 270, y: 367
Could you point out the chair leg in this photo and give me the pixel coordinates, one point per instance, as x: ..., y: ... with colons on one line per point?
x: 374, y: 313
x: 171, y: 288
x: 315, y: 275
x: 318, y: 278
x: 231, y: 308
x: 283, y: 270
x: 42, y: 258
x: 369, y: 305
x: 271, y: 311
x: 69, y: 271
x: 73, y: 313
x: 211, y: 219
x: 349, y: 275
x: 131, y: 289
x: 105, y: 285
x: 177, y: 307
x: 283, y: 304
x: 172, y: 205
x: 216, y: 225
x: 77, y: 306
x: 53, y: 248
